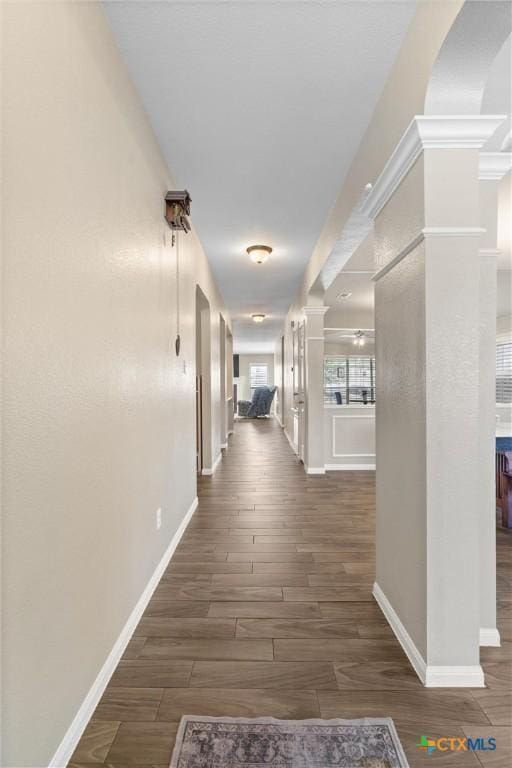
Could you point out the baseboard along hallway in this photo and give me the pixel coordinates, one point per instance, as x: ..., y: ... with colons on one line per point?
x: 266, y: 609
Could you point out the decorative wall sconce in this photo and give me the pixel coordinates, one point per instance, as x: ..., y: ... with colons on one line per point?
x: 177, y: 208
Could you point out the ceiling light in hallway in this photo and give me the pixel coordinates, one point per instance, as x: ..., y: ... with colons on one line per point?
x: 259, y: 253
x: 360, y: 339
x: 258, y: 318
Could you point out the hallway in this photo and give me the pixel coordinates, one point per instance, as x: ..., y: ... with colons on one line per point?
x: 266, y: 610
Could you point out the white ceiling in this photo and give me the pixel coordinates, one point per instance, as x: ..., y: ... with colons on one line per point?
x: 259, y: 108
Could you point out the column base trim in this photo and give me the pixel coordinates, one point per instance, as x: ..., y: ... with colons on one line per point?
x: 490, y: 637
x: 315, y: 470
x: 455, y: 677
x: 82, y: 717
x: 211, y: 470
x: 345, y: 467
x: 430, y: 676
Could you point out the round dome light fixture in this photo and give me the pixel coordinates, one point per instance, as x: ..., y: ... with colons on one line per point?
x: 259, y: 253
x: 258, y: 317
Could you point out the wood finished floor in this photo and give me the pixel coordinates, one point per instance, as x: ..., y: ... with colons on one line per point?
x: 266, y: 609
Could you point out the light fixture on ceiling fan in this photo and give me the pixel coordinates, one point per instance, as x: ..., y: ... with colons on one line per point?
x: 359, y: 339
x: 259, y: 253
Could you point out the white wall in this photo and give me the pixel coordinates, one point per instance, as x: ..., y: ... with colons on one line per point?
x: 402, y: 98
x: 244, y: 380
x: 99, y: 414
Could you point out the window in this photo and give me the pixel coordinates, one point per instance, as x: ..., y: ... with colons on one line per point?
x: 258, y: 375
x: 349, y: 379
x: 504, y: 372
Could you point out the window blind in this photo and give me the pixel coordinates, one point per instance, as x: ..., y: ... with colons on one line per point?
x: 504, y: 372
x: 258, y: 375
x: 349, y: 378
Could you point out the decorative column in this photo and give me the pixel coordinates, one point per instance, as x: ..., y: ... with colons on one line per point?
x: 492, y: 167
x: 427, y: 315
x: 314, y: 461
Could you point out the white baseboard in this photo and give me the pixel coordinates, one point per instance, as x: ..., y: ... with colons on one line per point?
x: 211, y: 470
x: 403, y: 637
x: 490, y: 636
x: 223, y: 445
x: 430, y: 676
x: 290, y: 441
x: 344, y: 467
x: 82, y: 717
x: 315, y: 470
x: 276, y: 417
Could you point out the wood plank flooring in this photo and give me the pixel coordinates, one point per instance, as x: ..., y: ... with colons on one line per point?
x: 266, y: 609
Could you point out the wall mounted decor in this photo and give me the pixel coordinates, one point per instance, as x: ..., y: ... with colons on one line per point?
x: 177, y: 208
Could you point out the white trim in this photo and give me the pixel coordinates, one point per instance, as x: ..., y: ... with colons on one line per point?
x: 492, y: 166
x: 490, y: 637
x: 453, y: 231
x: 314, y: 310
x: 82, y: 717
x: 344, y: 467
x: 333, y: 436
x: 223, y: 445
x: 427, y: 132
x: 430, y: 676
x: 427, y: 232
x: 290, y: 441
x: 455, y: 677
x: 211, y: 470
x: 276, y: 417
x: 315, y: 470
x: 403, y: 637
x: 411, y: 245
x: 343, y: 407
x: 315, y: 338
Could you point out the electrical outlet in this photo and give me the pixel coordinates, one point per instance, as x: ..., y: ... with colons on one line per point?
x: 159, y: 518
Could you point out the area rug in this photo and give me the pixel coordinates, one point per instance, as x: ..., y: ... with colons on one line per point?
x: 263, y: 742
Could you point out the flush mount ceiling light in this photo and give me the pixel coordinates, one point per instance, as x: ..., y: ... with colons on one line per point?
x: 359, y: 339
x: 344, y: 295
x: 258, y: 318
x: 259, y: 253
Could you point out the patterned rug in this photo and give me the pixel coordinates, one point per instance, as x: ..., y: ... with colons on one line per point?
x: 232, y: 742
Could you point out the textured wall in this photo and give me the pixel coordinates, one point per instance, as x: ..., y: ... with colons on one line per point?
x: 98, y: 412
x: 400, y: 443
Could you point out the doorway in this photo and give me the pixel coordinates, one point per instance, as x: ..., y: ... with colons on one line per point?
x: 203, y: 385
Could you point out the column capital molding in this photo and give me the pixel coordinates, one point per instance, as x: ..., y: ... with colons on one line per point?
x: 428, y: 132
x: 492, y: 166
x: 312, y: 311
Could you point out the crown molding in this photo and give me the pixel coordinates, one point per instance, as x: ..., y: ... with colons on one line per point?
x: 428, y: 132
x: 492, y: 166
x: 314, y: 310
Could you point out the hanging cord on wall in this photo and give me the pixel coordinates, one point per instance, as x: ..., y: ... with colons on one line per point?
x: 176, y: 240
